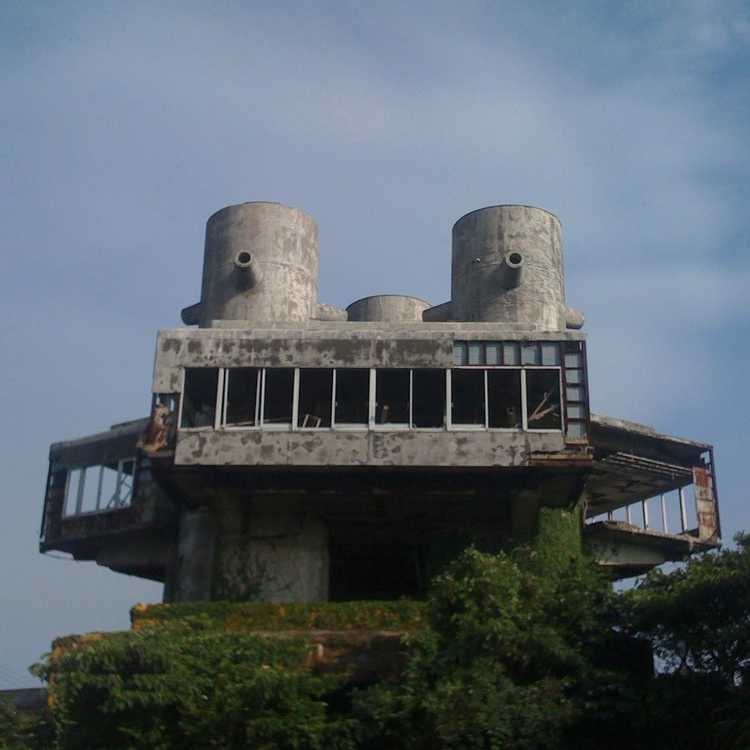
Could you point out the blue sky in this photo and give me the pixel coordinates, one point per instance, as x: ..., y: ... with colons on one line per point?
x: 123, y: 126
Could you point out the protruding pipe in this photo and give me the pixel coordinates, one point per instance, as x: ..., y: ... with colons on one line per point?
x: 510, y: 269
x: 248, y: 273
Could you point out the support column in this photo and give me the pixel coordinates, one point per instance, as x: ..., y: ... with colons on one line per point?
x: 272, y: 550
x: 196, y: 545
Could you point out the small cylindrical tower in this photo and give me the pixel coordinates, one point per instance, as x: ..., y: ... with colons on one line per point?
x: 507, y: 266
x: 387, y: 308
x: 260, y: 263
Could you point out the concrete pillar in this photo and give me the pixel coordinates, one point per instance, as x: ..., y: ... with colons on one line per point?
x: 271, y: 550
x: 194, y: 566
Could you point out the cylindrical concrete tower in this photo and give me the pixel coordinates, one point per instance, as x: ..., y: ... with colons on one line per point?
x: 387, y: 307
x: 507, y: 266
x: 260, y: 263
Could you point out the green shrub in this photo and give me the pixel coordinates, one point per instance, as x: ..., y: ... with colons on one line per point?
x: 192, y: 690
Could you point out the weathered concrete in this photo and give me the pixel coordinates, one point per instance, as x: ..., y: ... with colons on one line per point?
x: 365, y: 448
x: 260, y: 263
x: 387, y: 307
x: 192, y: 579
x: 270, y: 549
x: 323, y: 344
x: 507, y: 265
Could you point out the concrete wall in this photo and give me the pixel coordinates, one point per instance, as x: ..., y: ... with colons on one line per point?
x: 364, y: 448
x: 326, y: 344
x: 271, y: 550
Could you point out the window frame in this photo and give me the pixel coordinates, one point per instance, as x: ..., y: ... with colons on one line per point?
x: 98, y: 478
x: 351, y: 426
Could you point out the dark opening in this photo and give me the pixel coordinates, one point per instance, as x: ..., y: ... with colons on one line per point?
x: 428, y: 398
x: 352, y: 396
x: 244, y: 257
x: 467, y: 396
x: 315, y: 398
x: 392, y: 397
x: 242, y: 396
x: 515, y: 258
x: 543, y: 400
x: 277, y: 403
x: 199, y: 397
x: 504, y: 398
x: 369, y: 561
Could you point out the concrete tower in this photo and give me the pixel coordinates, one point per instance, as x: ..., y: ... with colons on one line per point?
x: 297, y: 451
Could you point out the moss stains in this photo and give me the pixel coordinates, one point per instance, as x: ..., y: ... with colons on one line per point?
x: 239, y: 617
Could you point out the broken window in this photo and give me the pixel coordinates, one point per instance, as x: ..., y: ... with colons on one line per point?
x: 428, y: 398
x: 504, y: 399
x: 575, y: 391
x: 315, y: 398
x: 278, y: 396
x: 242, y: 399
x: 467, y: 397
x: 199, y: 397
x: 543, y: 410
x: 94, y: 488
x: 392, y: 388
x: 352, y: 397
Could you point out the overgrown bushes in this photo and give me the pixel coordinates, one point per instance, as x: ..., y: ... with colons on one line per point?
x: 510, y: 651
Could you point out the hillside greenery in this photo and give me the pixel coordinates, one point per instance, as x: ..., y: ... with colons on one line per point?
x: 511, y: 651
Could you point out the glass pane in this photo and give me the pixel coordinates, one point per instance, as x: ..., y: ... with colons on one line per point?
x: 467, y: 397
x: 511, y: 355
x: 529, y: 354
x: 573, y: 359
x: 574, y: 393
x: 90, y: 488
x: 74, y: 480
x: 109, y: 497
x: 242, y: 391
x: 125, y: 490
x: 543, y: 400
x: 576, y: 411
x: 199, y: 398
x: 277, y: 404
x: 392, y: 397
x: 504, y: 398
x: 550, y: 353
x: 459, y: 353
x: 475, y: 354
x: 352, y: 396
x: 315, y: 398
x: 492, y: 354
x: 428, y: 394
x: 576, y: 429
x: 574, y: 376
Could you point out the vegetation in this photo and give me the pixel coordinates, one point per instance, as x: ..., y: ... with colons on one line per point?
x: 402, y: 615
x: 510, y: 651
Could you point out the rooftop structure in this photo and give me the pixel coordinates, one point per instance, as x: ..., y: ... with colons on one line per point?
x: 296, y: 451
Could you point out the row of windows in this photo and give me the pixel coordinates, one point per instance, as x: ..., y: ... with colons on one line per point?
x: 301, y: 398
x: 569, y: 355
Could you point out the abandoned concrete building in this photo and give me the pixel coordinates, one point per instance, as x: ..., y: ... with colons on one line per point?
x: 296, y: 451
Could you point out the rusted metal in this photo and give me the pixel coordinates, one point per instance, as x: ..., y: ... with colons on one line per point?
x: 705, y: 504
x: 156, y: 436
